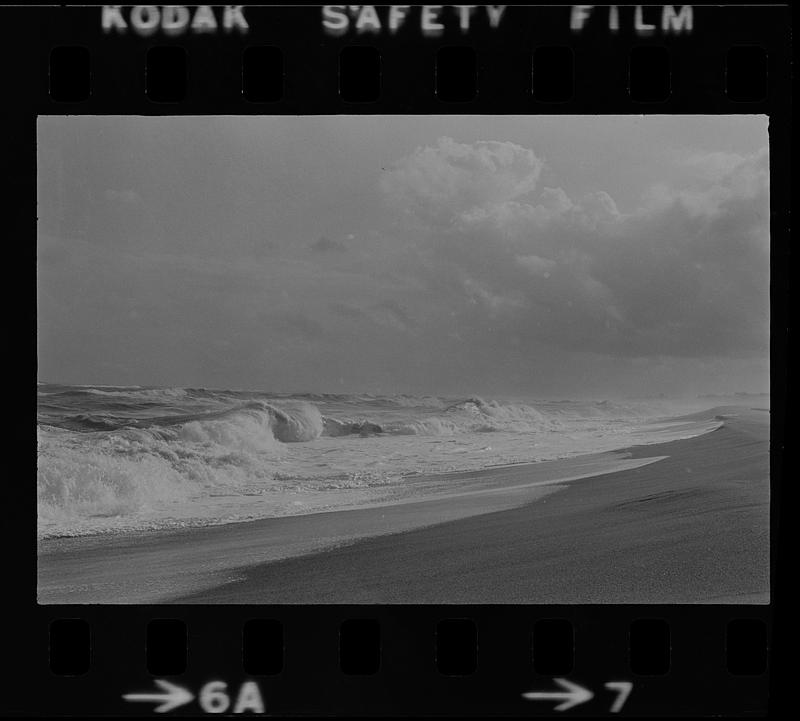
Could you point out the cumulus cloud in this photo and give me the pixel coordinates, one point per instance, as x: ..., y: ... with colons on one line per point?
x: 721, y: 177
x: 635, y: 259
x: 685, y: 275
x: 444, y: 181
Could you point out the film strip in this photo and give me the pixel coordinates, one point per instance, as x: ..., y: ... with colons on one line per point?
x: 456, y: 605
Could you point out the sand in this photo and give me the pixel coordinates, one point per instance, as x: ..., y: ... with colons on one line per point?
x: 685, y: 521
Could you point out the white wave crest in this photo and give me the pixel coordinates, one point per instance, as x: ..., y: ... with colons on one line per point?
x: 133, y: 471
x: 337, y: 427
x: 434, y: 426
x: 476, y: 415
x: 302, y: 422
x: 133, y: 393
x: 75, y: 482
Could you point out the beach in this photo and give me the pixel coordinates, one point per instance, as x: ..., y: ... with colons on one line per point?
x: 403, y: 359
x: 685, y: 521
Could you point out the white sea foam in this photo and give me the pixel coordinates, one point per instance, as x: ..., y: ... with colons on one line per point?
x: 107, y: 461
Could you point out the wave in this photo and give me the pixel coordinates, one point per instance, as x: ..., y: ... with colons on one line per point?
x: 94, y: 466
x: 475, y: 415
x: 335, y: 427
x: 76, y: 482
x: 468, y: 416
x: 90, y: 422
x: 123, y: 471
x: 290, y: 420
x: 303, y: 423
x: 606, y: 409
x: 133, y: 470
x: 147, y: 394
x: 125, y: 458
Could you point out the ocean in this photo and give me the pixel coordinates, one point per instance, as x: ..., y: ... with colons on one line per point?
x: 117, y: 459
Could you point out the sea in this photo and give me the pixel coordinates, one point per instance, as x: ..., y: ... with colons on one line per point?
x: 121, y: 459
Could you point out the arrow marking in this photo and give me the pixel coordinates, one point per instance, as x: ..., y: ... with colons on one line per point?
x: 175, y: 696
x: 572, y: 695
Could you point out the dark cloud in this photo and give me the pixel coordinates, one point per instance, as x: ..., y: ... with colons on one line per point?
x: 629, y: 260
x: 685, y: 276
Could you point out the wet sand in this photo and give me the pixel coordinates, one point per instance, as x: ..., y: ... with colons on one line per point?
x: 685, y: 521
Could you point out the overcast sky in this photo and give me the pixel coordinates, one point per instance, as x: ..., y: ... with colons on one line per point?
x: 540, y: 256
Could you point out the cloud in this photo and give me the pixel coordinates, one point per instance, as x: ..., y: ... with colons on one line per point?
x: 484, y: 267
x: 536, y: 265
x: 716, y: 166
x: 442, y: 182
x: 685, y: 275
x: 721, y: 177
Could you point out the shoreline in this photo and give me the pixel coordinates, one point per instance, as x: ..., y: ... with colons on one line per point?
x: 408, y: 483
x: 294, y: 559
x: 150, y: 566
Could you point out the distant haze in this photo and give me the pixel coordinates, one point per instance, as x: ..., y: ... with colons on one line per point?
x: 536, y: 256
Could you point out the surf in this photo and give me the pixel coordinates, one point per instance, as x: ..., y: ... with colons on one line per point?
x: 127, y: 457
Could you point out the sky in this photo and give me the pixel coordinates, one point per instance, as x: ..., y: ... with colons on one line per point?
x: 532, y: 256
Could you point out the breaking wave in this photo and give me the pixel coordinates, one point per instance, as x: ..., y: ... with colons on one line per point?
x: 477, y: 415
x: 121, y: 456
x: 116, y: 470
